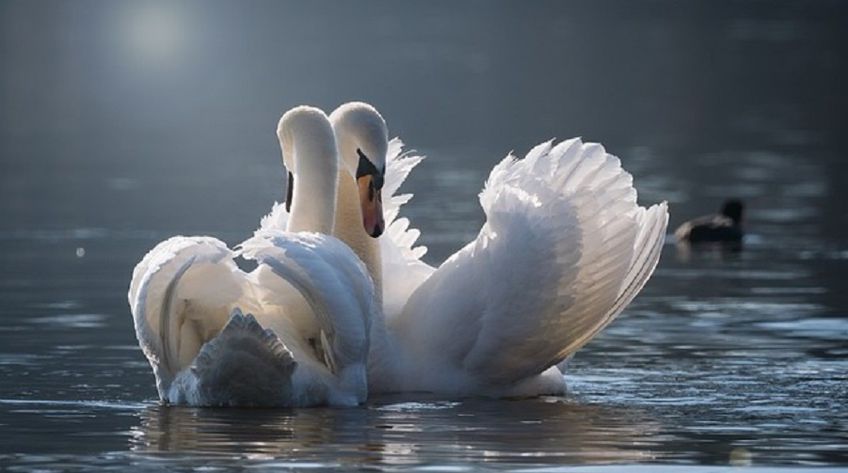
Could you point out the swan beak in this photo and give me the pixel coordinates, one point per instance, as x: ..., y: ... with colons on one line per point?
x: 371, y: 200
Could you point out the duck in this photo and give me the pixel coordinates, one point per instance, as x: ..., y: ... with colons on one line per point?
x: 724, y: 227
x: 564, y: 249
x: 293, y: 332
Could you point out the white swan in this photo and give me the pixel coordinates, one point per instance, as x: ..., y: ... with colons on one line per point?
x: 310, y: 297
x: 564, y: 250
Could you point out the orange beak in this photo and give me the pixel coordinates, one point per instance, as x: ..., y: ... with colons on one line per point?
x: 371, y: 202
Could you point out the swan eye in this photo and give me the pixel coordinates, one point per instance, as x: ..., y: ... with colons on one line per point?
x: 367, y: 168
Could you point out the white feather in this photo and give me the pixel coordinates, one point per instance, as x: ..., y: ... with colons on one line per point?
x: 564, y: 249
x: 309, y: 302
x: 188, y: 288
x: 402, y: 268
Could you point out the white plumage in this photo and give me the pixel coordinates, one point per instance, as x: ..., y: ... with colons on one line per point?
x: 292, y: 332
x: 564, y: 250
x: 188, y: 298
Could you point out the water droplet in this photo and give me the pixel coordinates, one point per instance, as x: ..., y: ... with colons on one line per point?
x: 80, y: 252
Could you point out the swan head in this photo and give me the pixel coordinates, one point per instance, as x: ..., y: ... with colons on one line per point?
x: 363, y: 140
x: 309, y: 151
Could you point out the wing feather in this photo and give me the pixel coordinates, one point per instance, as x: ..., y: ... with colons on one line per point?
x: 180, y: 296
x: 277, y: 219
x: 337, y: 287
x: 402, y: 268
x: 564, y: 249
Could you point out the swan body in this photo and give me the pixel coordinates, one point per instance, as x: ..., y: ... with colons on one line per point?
x: 292, y: 332
x: 563, y: 251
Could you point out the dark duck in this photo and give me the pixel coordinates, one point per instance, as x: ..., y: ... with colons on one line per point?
x: 717, y: 228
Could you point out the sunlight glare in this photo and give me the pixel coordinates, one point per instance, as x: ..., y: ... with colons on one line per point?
x: 156, y: 34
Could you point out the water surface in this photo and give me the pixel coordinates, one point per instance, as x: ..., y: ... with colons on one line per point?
x: 111, y: 142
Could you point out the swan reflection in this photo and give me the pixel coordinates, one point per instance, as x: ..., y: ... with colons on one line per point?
x: 395, y: 432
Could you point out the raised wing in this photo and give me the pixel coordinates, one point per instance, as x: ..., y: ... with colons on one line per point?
x: 565, y: 248
x: 403, y: 270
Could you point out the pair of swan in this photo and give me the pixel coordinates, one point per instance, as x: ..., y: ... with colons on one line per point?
x: 292, y: 332
x: 341, y: 305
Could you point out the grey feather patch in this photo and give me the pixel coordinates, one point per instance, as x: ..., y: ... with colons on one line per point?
x: 245, y: 365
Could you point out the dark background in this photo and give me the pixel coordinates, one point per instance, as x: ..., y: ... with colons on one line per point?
x: 110, y: 112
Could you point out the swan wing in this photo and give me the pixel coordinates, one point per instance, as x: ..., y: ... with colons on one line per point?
x: 180, y: 296
x: 564, y: 249
x: 403, y: 270
x: 337, y: 287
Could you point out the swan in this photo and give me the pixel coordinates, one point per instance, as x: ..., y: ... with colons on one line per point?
x: 565, y: 248
x: 292, y: 332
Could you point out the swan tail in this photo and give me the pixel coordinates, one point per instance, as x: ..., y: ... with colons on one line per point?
x: 564, y: 249
x: 244, y: 365
x: 180, y: 296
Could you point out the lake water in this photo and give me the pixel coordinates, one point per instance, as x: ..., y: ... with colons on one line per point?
x: 124, y: 123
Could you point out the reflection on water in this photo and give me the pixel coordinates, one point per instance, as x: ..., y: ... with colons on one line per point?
x: 725, y: 358
x: 406, y: 433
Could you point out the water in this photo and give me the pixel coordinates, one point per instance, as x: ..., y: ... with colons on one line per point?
x: 114, y: 136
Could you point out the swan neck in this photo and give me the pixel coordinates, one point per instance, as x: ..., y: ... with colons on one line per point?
x: 349, y: 229
x: 309, y: 151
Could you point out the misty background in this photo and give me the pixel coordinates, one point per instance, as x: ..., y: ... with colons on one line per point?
x: 161, y: 115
